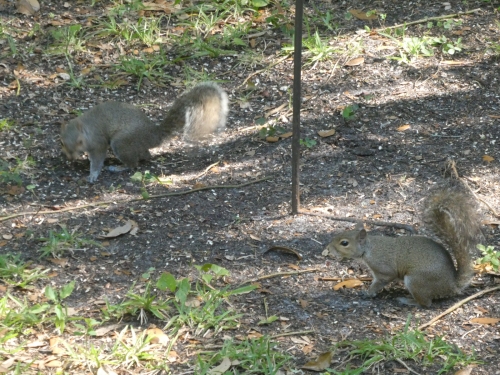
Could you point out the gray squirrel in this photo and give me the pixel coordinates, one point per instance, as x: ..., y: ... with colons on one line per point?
x: 424, y: 265
x: 130, y: 133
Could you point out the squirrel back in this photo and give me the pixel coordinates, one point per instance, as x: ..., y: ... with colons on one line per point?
x: 424, y: 265
x: 130, y: 133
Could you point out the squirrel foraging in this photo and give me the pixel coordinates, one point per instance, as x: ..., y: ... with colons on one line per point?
x: 424, y: 265
x: 130, y: 133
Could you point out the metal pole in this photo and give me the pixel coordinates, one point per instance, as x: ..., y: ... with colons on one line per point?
x: 297, y: 65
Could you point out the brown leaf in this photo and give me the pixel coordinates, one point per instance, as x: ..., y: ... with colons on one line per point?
x: 272, y: 139
x: 485, y: 320
x: 118, y: 231
x: 355, y: 62
x: 326, y: 133
x: 319, y: 364
x: 361, y: 15
x: 402, y: 128
x: 286, y: 135
x: 488, y: 158
x: 350, y: 283
x: 222, y: 368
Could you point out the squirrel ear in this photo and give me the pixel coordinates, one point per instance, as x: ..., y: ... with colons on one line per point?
x: 359, y: 226
x: 361, y: 237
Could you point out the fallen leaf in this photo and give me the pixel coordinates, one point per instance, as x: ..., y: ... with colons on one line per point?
x: 118, y: 231
x: 319, y: 364
x: 222, y: 368
x: 272, y: 139
x: 361, y: 15
x: 355, y: 62
x: 106, y: 370
x: 485, y: 320
x: 488, y: 158
x: 402, y: 128
x: 326, y: 133
x: 7, y: 236
x: 286, y: 135
x: 350, y: 283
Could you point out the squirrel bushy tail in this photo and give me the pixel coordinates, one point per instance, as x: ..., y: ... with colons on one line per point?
x: 200, y: 112
x: 450, y: 212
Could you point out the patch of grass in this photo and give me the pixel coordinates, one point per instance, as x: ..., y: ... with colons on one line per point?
x: 148, y: 66
x: 59, y: 243
x: 17, y: 273
x: 317, y: 49
x: 258, y: 356
x: 6, y: 124
x: 17, y: 316
x: 308, y: 142
x: 66, y: 40
x: 403, y: 346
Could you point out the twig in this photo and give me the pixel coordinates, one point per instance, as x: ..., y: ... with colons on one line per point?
x: 292, y: 333
x: 407, y: 367
x: 423, y: 20
x: 207, y: 169
x: 263, y: 70
x: 407, y: 227
x: 278, y: 274
x: 456, y: 306
x: 49, y: 212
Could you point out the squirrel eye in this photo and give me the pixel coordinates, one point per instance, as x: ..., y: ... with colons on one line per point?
x: 344, y: 243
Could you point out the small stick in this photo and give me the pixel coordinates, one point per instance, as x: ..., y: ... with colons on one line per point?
x: 292, y: 333
x: 407, y: 227
x: 49, y: 212
x: 263, y: 70
x: 423, y: 20
x: 278, y: 274
x: 207, y: 169
x: 456, y: 306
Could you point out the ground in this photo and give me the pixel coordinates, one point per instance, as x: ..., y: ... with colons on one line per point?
x: 410, y: 114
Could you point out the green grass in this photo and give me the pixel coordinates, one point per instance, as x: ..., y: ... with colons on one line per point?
x: 61, y: 243
x: 408, y: 346
x: 15, y: 272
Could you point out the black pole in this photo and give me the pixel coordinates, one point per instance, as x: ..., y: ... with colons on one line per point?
x: 297, y: 65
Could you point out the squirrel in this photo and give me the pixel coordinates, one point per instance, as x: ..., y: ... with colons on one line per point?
x: 200, y: 112
x: 424, y: 265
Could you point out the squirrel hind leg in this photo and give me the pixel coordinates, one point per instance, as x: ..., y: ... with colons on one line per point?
x: 128, y: 155
x: 419, y: 291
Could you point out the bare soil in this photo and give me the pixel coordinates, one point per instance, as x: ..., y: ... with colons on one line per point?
x: 367, y: 170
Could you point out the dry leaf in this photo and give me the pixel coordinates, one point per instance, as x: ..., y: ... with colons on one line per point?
x: 488, y: 158
x: 286, y: 135
x: 485, y: 320
x: 326, y: 133
x: 361, y: 15
x: 158, y: 337
x: 466, y: 370
x: 402, y: 128
x: 350, y: 283
x: 319, y: 364
x: 106, y: 370
x: 356, y: 61
x: 60, y: 261
x: 222, y: 368
x: 272, y: 139
x: 118, y: 231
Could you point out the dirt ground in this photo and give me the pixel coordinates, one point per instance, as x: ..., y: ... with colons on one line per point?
x: 369, y: 169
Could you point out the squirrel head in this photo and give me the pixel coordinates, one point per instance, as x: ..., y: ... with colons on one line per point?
x: 349, y: 244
